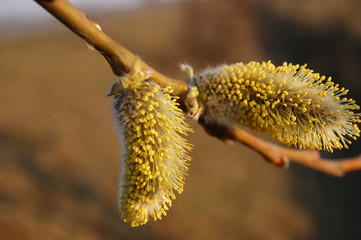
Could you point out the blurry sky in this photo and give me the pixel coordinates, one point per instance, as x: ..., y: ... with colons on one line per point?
x: 23, y: 16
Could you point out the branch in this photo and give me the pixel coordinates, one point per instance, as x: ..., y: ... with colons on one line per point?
x: 119, y: 58
x: 280, y: 156
x: 121, y: 61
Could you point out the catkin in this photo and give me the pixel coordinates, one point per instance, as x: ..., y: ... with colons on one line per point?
x: 295, y: 105
x: 155, y: 155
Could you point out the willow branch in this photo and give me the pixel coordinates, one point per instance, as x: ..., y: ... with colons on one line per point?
x: 280, y: 156
x: 119, y: 58
x: 121, y: 61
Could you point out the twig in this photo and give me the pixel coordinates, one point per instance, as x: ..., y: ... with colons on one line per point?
x: 119, y: 58
x: 279, y: 155
x: 121, y: 61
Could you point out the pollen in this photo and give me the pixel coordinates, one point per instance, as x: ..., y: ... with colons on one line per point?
x: 292, y: 103
x: 155, y: 155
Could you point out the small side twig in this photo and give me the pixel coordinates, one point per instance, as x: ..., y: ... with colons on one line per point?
x: 280, y: 156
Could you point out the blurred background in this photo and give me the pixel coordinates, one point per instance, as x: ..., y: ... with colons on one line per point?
x: 60, y: 156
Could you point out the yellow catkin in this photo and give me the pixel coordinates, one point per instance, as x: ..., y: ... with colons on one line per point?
x: 155, y: 155
x: 292, y: 103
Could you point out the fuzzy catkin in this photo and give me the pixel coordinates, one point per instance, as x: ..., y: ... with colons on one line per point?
x: 155, y: 155
x: 295, y: 105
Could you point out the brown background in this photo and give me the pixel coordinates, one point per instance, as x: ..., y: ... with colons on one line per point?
x: 60, y: 157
